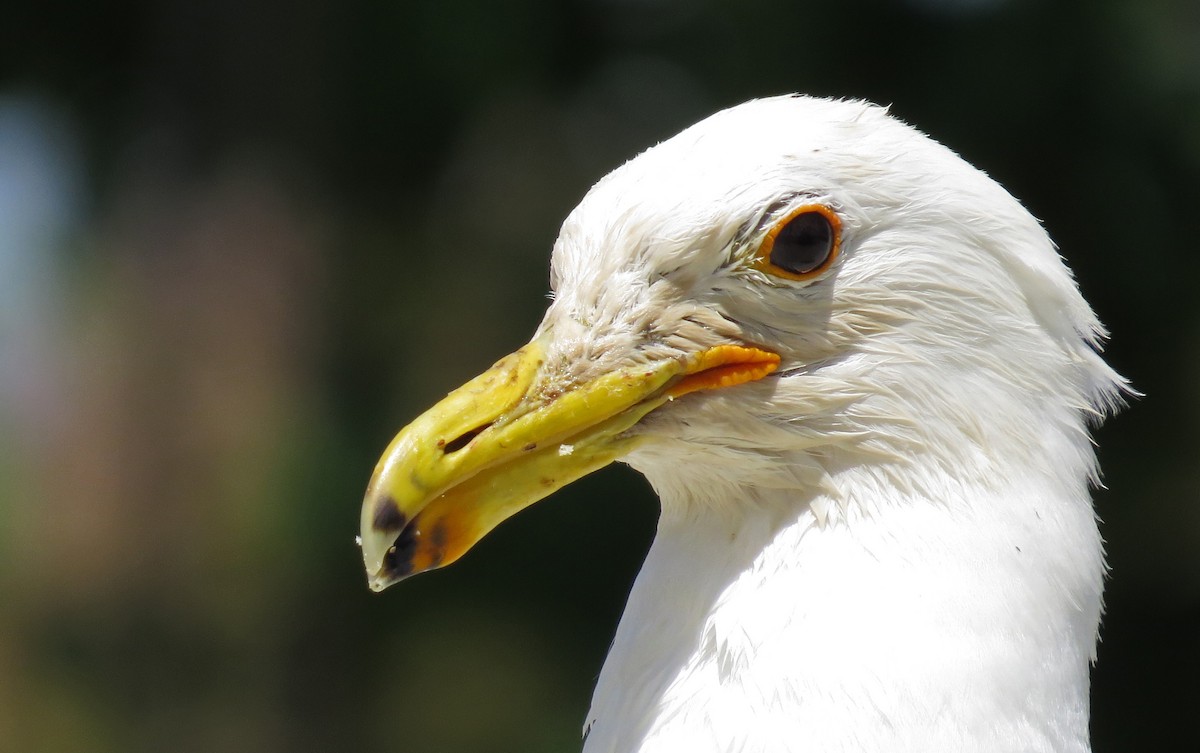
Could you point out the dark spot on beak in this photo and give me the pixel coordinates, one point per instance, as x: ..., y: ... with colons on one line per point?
x: 529, y: 447
x: 388, y: 518
x: 397, y: 562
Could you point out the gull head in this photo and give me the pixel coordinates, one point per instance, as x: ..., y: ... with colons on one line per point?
x: 788, y: 289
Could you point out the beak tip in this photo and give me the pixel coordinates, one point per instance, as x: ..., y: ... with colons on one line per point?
x: 389, y: 557
x: 386, y: 575
x: 382, y: 524
x: 380, y: 575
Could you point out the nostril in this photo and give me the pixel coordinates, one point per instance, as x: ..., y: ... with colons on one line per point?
x: 454, y: 445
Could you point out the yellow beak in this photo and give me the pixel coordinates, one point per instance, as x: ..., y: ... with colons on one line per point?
x: 503, y: 441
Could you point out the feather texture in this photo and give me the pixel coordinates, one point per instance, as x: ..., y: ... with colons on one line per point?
x: 891, y: 545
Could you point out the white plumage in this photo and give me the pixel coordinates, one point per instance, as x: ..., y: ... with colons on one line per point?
x: 889, y: 543
x: 891, y: 546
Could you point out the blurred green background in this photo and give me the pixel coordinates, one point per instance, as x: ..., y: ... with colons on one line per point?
x: 242, y: 242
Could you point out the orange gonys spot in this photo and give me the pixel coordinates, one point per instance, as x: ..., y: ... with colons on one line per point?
x: 724, y: 366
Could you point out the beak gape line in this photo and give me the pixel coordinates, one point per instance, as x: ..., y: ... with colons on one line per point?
x: 488, y: 450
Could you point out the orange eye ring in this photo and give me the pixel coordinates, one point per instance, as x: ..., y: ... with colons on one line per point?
x: 802, y: 244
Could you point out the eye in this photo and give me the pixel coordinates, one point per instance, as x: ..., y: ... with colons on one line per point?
x: 802, y: 244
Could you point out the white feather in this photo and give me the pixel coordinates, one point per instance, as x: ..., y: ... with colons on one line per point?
x: 891, y: 546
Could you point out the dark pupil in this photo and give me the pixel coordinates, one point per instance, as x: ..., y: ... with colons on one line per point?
x: 803, y: 244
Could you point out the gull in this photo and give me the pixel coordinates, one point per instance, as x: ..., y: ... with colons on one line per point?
x: 861, y: 381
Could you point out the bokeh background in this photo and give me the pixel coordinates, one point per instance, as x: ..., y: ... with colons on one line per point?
x: 243, y: 241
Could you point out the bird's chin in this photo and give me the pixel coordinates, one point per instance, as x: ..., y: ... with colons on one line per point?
x: 503, y: 441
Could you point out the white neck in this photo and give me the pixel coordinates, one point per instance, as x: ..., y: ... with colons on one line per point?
x: 961, y: 624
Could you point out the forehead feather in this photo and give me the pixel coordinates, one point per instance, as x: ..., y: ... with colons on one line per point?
x: 676, y: 207
x: 698, y: 188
